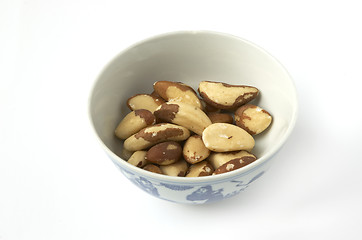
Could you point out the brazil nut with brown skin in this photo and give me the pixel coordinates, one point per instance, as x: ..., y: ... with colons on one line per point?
x: 138, y: 159
x: 177, y: 92
x: 194, y: 150
x: 216, y: 159
x: 144, y: 101
x: 183, y: 114
x: 154, y: 134
x: 225, y: 137
x: 172, y: 131
x: 164, y: 153
x: 252, y: 118
x: 200, y: 169
x: 226, y: 96
x: 134, y: 122
x: 234, y: 164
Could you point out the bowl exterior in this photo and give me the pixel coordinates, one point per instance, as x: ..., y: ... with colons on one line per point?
x: 198, y: 192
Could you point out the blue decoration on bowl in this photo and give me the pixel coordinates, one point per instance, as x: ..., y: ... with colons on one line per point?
x: 192, y: 193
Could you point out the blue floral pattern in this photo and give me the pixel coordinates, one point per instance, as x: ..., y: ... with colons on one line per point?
x: 206, y: 194
x: 193, y: 194
x: 146, y: 185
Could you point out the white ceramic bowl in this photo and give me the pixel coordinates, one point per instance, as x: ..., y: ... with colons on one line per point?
x: 190, y: 57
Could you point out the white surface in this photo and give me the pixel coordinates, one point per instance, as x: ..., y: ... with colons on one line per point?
x: 55, y: 181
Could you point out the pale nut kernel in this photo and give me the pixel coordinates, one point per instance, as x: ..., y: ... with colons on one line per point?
x: 226, y: 96
x: 164, y: 153
x: 220, y: 117
x: 152, y: 168
x: 134, y: 122
x: 216, y: 159
x: 138, y: 159
x: 194, y: 150
x: 177, y: 169
x: 144, y: 101
x: 200, y: 169
x: 225, y: 137
x: 234, y: 164
x: 177, y: 92
x: 252, y: 119
x: 183, y: 114
x: 157, y: 133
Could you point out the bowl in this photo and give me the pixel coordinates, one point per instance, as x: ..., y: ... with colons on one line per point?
x: 191, y: 57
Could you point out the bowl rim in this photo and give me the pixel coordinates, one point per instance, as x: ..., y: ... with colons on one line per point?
x: 195, y: 180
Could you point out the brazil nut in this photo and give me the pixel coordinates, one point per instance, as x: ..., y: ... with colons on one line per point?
x: 194, y: 149
x: 164, y: 153
x: 200, y: 169
x: 225, y: 137
x: 177, y: 92
x: 133, y: 122
x: 226, y: 96
x: 216, y: 159
x: 154, y: 134
x: 138, y: 159
x: 172, y: 131
x: 183, y: 114
x: 252, y: 119
x: 144, y: 101
x: 177, y: 169
x: 234, y: 164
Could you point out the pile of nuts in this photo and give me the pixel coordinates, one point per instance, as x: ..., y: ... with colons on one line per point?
x: 175, y: 132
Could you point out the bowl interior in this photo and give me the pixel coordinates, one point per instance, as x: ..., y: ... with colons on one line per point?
x: 191, y: 57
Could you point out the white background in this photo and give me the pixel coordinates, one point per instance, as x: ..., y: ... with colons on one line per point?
x: 57, y: 183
